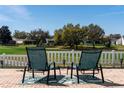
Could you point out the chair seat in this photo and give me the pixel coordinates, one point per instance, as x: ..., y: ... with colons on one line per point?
x: 74, y: 67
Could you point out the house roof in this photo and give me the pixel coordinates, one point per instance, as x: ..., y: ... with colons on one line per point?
x: 16, y: 39
x: 49, y: 39
x: 26, y: 39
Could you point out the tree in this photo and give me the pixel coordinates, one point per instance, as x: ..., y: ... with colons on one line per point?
x: 83, y: 34
x: 106, y: 41
x: 95, y: 33
x: 58, y: 36
x: 39, y: 36
x: 71, y: 34
x: 76, y: 35
x: 67, y: 35
x: 20, y: 34
x: 5, y: 34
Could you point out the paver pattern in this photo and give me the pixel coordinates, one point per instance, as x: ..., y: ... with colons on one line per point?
x: 11, y: 78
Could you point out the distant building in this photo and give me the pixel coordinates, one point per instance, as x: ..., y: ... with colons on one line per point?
x: 113, y: 41
x: 120, y: 41
x: 19, y: 41
x: 24, y: 41
x: 50, y: 41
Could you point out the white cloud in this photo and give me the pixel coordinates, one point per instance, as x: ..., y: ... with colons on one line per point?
x: 21, y: 11
x: 111, y: 13
x: 11, y: 13
x: 5, y: 18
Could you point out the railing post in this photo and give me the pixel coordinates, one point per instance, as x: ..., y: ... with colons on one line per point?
x: 113, y: 58
x: 73, y: 55
x: 3, y: 59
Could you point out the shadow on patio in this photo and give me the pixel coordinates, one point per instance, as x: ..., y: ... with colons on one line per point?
x: 65, y: 80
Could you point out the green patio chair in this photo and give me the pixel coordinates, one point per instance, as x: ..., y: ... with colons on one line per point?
x: 89, y: 61
x: 37, y: 60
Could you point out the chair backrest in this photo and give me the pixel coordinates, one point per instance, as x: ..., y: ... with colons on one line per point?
x: 37, y: 58
x: 89, y: 59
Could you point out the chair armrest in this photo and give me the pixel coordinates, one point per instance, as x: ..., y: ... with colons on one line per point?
x: 52, y: 63
x: 27, y: 66
x: 99, y: 65
x: 74, y: 65
x: 77, y: 65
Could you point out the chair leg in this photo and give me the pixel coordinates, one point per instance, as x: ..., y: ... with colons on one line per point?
x: 98, y: 70
x: 24, y: 75
x: 43, y: 73
x: 29, y: 66
x: 59, y: 71
x: 32, y: 73
x: 67, y: 70
x: 93, y: 73
x: 102, y: 73
x: 77, y: 75
x: 71, y: 70
x: 54, y: 73
x: 48, y: 77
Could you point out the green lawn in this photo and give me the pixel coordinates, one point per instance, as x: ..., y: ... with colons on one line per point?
x: 13, y: 49
x: 20, y: 49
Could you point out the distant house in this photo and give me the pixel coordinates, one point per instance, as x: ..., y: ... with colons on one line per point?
x: 18, y: 41
x: 120, y: 41
x: 113, y: 41
x: 24, y: 41
x: 50, y: 41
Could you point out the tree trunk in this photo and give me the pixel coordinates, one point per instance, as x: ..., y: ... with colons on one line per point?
x: 93, y: 44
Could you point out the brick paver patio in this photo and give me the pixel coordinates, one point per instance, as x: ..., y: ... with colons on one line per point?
x: 11, y: 78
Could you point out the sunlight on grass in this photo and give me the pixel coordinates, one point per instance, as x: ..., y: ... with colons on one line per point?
x: 20, y: 49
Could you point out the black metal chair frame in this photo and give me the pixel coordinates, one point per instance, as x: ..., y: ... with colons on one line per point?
x: 97, y: 68
x: 47, y: 68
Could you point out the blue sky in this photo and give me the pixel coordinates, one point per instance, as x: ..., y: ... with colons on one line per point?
x: 27, y: 18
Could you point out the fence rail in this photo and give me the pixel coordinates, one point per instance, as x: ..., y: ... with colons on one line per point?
x: 108, y: 58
